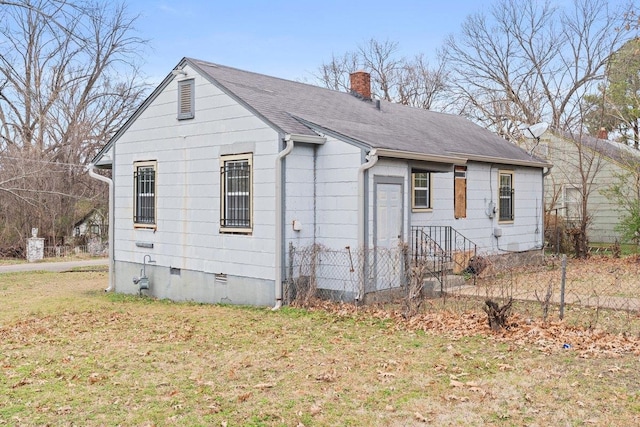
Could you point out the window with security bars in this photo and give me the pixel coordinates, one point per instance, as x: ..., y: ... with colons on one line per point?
x: 236, y: 185
x: 421, y: 185
x: 144, y: 181
x: 506, y: 196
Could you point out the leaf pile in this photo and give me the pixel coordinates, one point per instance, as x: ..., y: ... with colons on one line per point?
x: 545, y: 336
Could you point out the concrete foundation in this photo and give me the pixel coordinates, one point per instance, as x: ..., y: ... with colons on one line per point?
x: 187, y: 285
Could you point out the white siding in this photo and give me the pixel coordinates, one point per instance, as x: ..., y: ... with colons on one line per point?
x: 300, y: 190
x: 337, y: 194
x: 188, y: 185
x: 523, y: 233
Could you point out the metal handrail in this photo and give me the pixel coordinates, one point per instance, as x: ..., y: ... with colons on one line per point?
x: 446, y: 239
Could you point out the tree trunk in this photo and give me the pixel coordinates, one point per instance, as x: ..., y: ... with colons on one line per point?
x: 497, y: 315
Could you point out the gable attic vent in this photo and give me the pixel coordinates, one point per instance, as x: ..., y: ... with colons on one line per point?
x: 360, y: 84
x: 186, y: 99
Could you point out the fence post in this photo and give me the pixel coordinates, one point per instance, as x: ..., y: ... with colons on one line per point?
x: 289, y: 280
x: 562, y: 285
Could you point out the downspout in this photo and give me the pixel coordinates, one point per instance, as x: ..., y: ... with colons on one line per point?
x: 543, y: 213
x: 279, y: 220
x: 93, y: 174
x: 372, y: 159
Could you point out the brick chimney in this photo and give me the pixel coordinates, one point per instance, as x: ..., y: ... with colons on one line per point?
x: 361, y: 84
x: 603, y: 134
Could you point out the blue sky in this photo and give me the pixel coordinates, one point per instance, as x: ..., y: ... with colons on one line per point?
x: 289, y: 39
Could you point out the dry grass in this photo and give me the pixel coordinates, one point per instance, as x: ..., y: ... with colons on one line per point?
x: 598, y: 275
x: 73, y: 355
x: 600, y: 292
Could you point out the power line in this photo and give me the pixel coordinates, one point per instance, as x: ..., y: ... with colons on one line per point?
x: 50, y: 162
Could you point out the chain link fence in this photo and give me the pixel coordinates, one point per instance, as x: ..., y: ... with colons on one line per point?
x: 367, y: 276
x: 344, y: 275
x: 600, y: 292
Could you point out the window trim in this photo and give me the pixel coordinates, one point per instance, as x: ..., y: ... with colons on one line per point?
x: 566, y: 203
x: 136, y: 166
x: 511, y: 175
x: 182, y: 86
x: 429, y: 190
x: 223, y: 196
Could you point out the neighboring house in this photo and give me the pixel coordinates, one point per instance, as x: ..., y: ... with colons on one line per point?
x: 221, y: 171
x: 602, y: 162
x: 93, y: 224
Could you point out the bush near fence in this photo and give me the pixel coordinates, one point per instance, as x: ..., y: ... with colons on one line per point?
x: 600, y: 292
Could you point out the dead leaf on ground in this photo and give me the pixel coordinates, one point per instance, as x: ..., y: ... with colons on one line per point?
x: 418, y: 416
x: 22, y: 382
x: 326, y: 377
x: 263, y: 386
x: 453, y: 397
x: 63, y: 410
x: 244, y: 397
x: 315, y: 410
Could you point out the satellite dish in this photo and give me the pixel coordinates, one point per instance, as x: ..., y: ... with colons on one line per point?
x: 535, y: 131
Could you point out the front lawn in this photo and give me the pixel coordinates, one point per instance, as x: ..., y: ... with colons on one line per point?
x: 72, y: 355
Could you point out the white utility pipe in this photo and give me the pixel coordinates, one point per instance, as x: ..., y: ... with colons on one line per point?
x: 279, y: 238
x: 372, y: 159
x: 93, y: 174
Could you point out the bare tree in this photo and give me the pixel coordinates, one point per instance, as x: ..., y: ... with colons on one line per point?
x: 393, y: 78
x: 335, y: 74
x: 69, y: 77
x: 421, y: 86
x: 578, y: 164
x: 381, y: 61
x: 529, y: 61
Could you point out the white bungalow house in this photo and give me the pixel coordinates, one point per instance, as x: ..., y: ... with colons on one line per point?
x: 221, y: 171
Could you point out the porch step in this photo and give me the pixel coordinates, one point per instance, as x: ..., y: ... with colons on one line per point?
x: 454, y: 281
x: 432, y: 288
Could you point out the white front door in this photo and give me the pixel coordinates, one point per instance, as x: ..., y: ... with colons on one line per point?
x: 388, y: 254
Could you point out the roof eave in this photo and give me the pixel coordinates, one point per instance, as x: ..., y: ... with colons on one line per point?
x: 409, y: 155
x: 505, y: 160
x: 308, y: 139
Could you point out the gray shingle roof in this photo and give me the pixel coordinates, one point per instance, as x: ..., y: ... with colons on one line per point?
x: 297, y: 108
x: 392, y: 127
x: 618, y: 152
